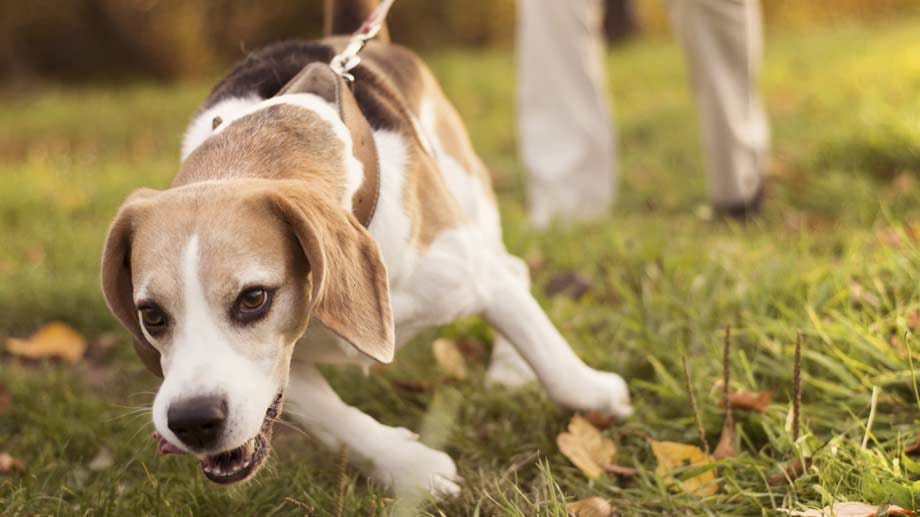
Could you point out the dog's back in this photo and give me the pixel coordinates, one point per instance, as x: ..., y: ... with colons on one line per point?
x: 447, y: 184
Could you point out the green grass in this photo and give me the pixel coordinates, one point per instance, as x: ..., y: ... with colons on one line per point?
x: 845, y: 109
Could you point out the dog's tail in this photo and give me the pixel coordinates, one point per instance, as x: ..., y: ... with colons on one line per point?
x: 346, y: 16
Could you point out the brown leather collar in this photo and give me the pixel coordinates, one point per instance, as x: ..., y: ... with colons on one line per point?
x: 320, y: 79
x: 364, y: 201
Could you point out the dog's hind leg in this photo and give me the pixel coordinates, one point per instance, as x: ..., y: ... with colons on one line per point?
x: 392, y: 455
x: 514, y: 312
x: 507, y: 367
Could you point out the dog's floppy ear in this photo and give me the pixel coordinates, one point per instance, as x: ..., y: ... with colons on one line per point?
x: 350, y: 292
x: 318, y: 79
x: 116, y: 276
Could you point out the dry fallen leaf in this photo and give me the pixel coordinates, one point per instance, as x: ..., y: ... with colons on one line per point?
x: 450, y: 360
x: 471, y: 348
x: 898, y: 346
x: 913, y: 319
x: 746, y: 400
x: 904, y: 182
x: 36, y: 254
x: 103, y: 460
x: 586, y: 447
x: 914, y: 448
x: 860, y: 296
x: 673, y: 455
x: 850, y: 509
x: 52, y: 340
x: 6, y: 400
x: 621, y: 471
x: 535, y: 263
x: 792, y: 471
x: 726, y: 446
x: 598, y: 419
x: 590, y: 507
x: 9, y: 463
x: 572, y: 284
x: 411, y: 386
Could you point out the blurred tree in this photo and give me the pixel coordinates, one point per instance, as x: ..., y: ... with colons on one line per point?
x: 105, y: 40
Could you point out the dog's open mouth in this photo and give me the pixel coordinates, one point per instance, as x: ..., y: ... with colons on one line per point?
x: 236, y: 464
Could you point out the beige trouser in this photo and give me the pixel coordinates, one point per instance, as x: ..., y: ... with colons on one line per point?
x: 566, y: 138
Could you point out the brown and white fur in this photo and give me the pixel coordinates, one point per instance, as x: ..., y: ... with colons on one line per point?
x: 263, y: 198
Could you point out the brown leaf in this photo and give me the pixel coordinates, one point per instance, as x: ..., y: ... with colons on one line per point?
x: 10, y: 464
x: 449, y: 359
x: 52, y: 340
x: 726, y: 446
x: 672, y: 456
x: 471, y: 348
x: 913, y: 449
x: 850, y: 509
x: 36, y: 254
x: 912, y: 319
x: 898, y: 345
x: 590, y: 507
x: 621, y: 471
x: 586, y: 447
x: 860, y: 296
x: 791, y: 471
x: 410, y: 385
x: 106, y: 341
x: 598, y: 419
x: 572, y: 284
x: 904, y: 182
x: 897, y: 238
x: 535, y: 263
x: 745, y: 400
x: 6, y: 400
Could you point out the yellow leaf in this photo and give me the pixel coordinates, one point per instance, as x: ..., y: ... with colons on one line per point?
x: 52, y: 340
x: 9, y: 463
x: 586, y: 447
x: 590, y: 507
x: 852, y: 510
x: 449, y: 358
x: 672, y: 456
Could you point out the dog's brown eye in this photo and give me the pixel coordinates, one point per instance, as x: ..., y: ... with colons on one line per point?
x: 153, y: 318
x: 251, y: 304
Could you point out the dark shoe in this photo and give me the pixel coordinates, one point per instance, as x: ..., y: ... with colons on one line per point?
x: 742, y: 210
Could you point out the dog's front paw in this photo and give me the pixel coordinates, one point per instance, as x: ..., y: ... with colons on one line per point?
x: 594, y: 390
x: 613, y: 393
x: 411, y: 467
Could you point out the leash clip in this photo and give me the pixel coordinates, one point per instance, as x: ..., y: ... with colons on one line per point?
x: 346, y: 60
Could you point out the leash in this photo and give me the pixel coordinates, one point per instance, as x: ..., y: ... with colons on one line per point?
x: 346, y: 60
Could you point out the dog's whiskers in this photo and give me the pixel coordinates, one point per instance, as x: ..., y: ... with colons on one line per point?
x: 290, y: 425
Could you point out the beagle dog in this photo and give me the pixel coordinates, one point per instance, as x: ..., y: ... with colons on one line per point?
x: 360, y: 206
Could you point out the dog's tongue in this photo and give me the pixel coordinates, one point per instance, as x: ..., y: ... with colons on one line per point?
x: 164, y: 447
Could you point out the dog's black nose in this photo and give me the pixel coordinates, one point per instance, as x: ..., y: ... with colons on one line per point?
x: 197, y: 421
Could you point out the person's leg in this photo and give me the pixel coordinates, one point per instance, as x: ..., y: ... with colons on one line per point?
x: 723, y: 43
x: 566, y: 138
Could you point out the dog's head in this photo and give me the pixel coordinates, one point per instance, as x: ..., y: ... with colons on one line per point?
x: 217, y: 280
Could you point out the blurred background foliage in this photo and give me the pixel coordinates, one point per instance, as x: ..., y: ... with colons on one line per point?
x: 109, y: 40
